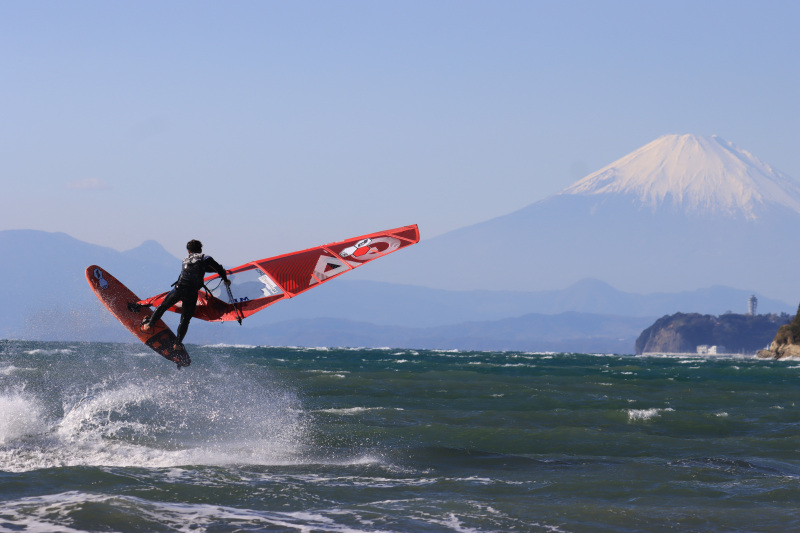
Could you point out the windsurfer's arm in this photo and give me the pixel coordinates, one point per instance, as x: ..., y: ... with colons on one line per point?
x: 213, y: 266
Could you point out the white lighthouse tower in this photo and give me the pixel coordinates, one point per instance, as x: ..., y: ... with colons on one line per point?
x: 752, y: 304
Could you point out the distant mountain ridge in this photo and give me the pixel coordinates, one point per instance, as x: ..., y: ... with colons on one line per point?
x: 679, y: 214
x: 49, y: 299
x: 564, y: 332
x: 43, y: 272
x: 411, y: 306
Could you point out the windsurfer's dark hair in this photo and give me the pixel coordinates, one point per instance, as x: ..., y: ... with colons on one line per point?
x: 194, y: 246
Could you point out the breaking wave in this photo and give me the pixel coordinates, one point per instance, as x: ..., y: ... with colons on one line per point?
x: 209, y: 417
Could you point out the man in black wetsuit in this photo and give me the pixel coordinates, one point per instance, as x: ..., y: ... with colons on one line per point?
x: 195, y: 267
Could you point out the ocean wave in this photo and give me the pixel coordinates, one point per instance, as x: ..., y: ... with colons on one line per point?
x: 331, y: 373
x: 242, y: 346
x: 51, y: 512
x: 46, y: 351
x: 645, y: 414
x: 144, y: 421
x: 21, y: 416
x: 11, y: 369
x: 356, y: 410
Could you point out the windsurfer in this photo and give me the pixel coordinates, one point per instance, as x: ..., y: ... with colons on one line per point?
x: 185, y: 290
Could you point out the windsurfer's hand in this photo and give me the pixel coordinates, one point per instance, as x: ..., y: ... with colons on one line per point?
x: 227, y: 283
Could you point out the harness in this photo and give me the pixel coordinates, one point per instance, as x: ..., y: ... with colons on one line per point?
x: 192, y: 272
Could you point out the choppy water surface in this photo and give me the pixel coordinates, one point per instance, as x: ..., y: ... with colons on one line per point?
x: 109, y: 437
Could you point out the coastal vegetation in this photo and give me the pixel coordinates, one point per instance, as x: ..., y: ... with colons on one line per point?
x: 684, y: 332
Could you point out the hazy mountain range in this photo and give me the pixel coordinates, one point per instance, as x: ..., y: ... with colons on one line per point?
x: 47, y: 298
x: 684, y: 224
x: 681, y: 213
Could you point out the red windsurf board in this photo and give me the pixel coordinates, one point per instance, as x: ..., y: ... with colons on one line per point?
x: 117, y: 299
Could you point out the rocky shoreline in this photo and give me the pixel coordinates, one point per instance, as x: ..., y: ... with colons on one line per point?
x: 776, y: 351
x: 786, y: 342
x: 730, y: 333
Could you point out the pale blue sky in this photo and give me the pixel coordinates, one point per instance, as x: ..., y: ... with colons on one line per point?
x: 265, y: 127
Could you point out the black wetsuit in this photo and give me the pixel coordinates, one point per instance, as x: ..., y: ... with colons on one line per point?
x: 195, y: 266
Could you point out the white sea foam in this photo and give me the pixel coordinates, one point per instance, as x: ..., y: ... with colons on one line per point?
x: 42, y: 351
x: 48, y: 514
x: 153, y: 422
x: 11, y: 369
x: 645, y: 414
x: 223, y: 345
x: 331, y: 373
x: 356, y: 410
x: 20, y: 417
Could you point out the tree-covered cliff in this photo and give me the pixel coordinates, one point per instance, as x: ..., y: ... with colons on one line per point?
x: 683, y: 332
x: 786, y: 342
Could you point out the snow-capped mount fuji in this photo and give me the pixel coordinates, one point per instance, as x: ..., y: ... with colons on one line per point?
x: 695, y: 174
x: 683, y: 212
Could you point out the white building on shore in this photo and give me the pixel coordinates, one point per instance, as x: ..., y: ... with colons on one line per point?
x: 705, y: 349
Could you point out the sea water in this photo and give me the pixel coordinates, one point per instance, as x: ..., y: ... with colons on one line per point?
x: 112, y: 437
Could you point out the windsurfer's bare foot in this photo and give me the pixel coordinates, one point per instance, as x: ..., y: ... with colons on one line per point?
x: 145, y: 324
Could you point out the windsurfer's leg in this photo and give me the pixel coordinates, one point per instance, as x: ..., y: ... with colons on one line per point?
x: 187, y: 312
x: 169, y: 300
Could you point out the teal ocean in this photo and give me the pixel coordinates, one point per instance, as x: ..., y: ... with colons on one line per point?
x: 111, y: 437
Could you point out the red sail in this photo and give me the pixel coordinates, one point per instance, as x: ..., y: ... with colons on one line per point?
x: 259, y: 284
